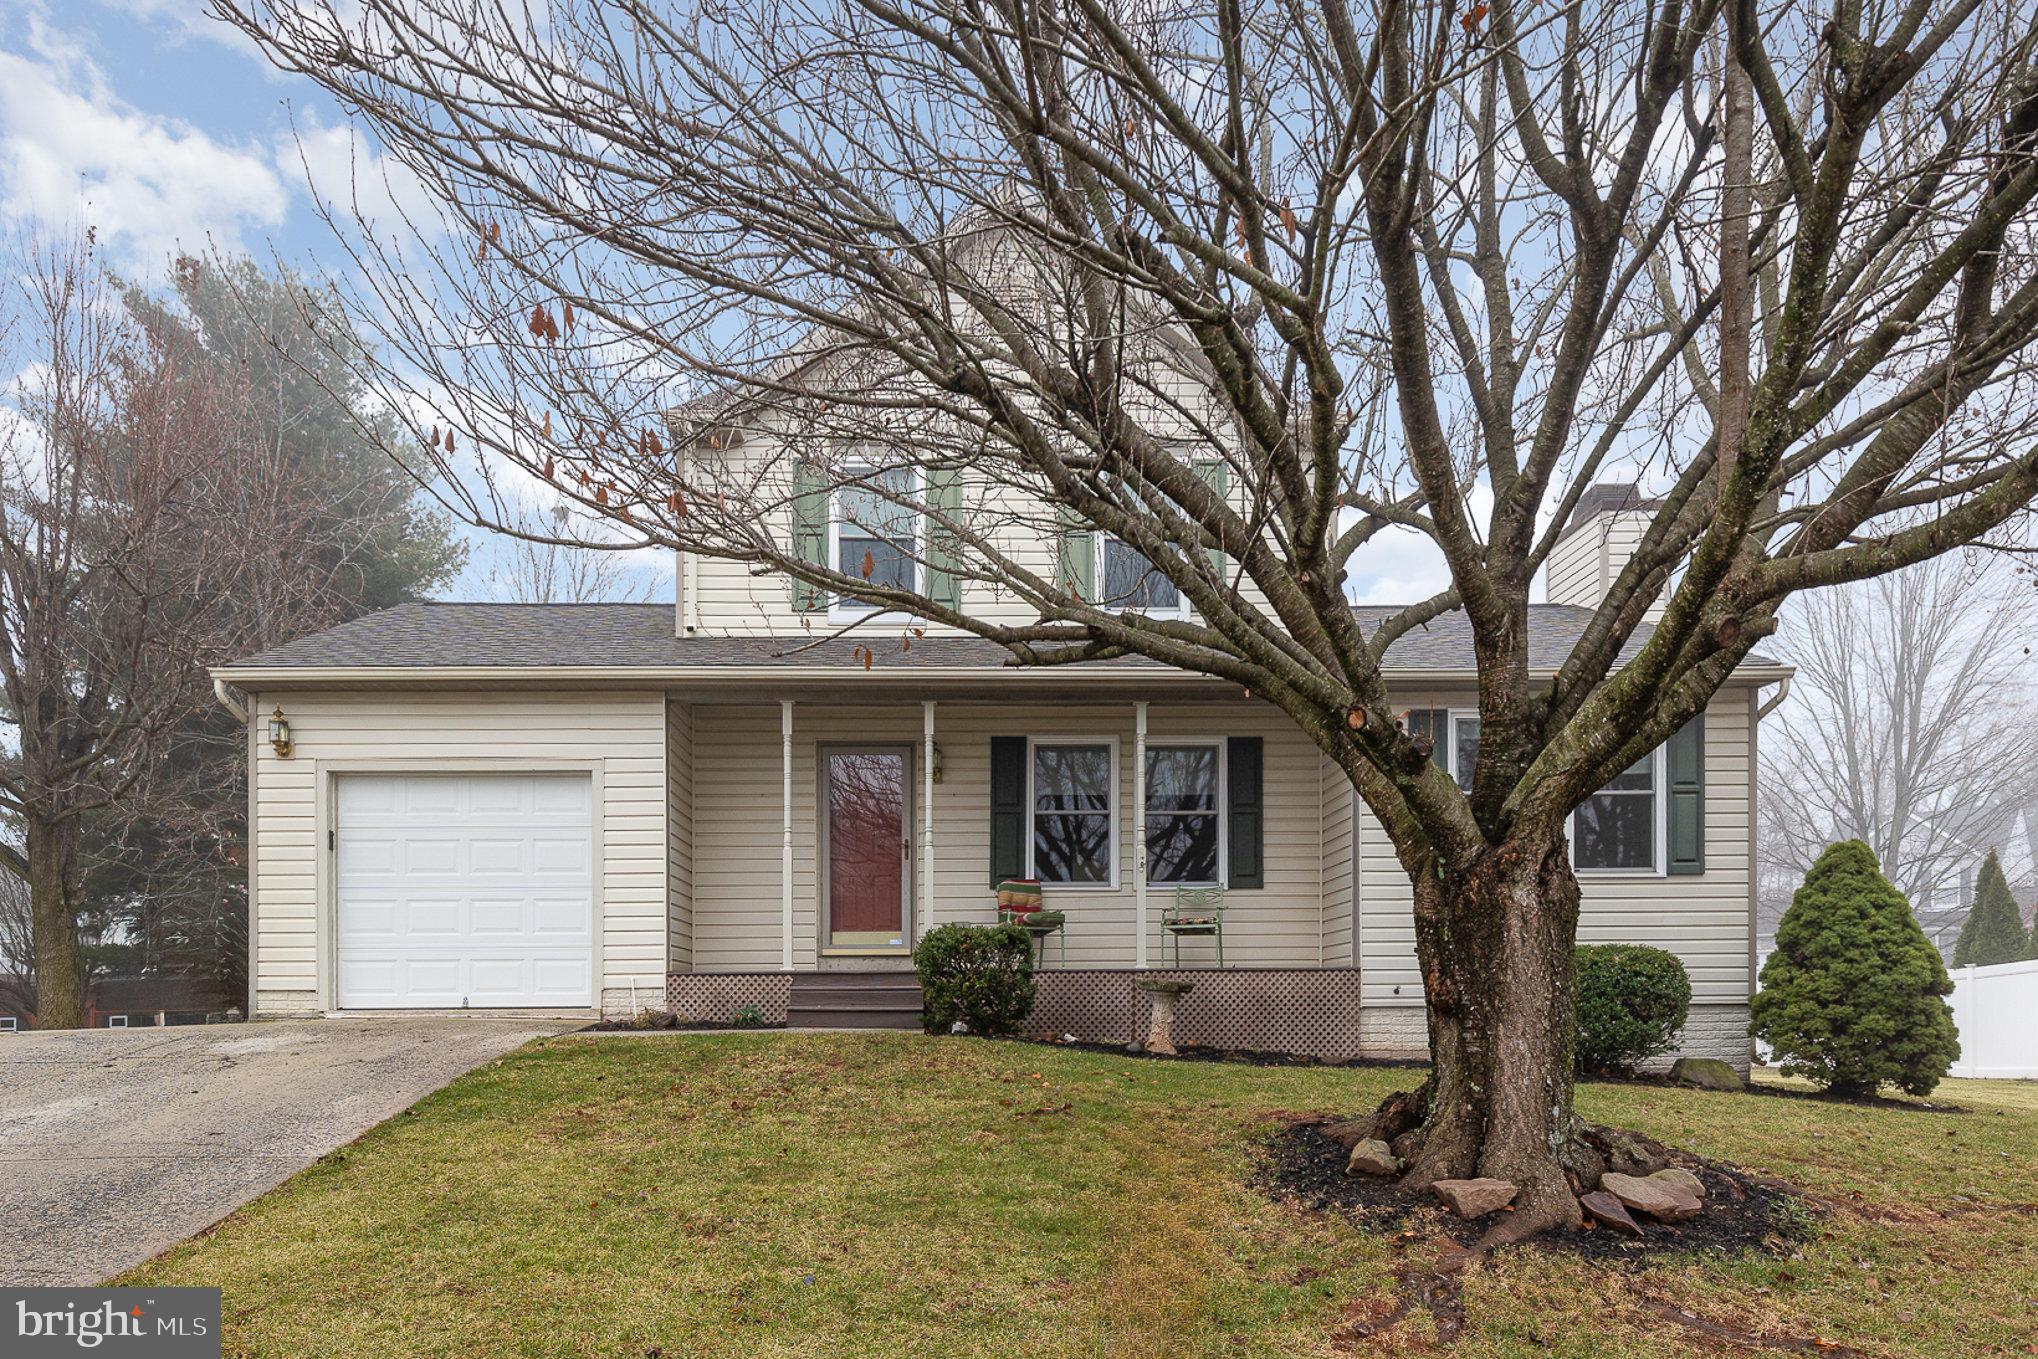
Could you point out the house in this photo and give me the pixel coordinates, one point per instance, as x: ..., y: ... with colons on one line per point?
x: 126, y: 1002
x: 602, y: 808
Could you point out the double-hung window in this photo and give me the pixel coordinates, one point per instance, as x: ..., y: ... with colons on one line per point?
x: 1073, y: 801
x: 1184, y: 816
x: 1619, y: 829
x: 1127, y: 580
x: 1615, y: 828
x: 875, y: 537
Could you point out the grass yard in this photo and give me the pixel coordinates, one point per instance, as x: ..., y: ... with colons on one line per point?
x: 843, y: 1195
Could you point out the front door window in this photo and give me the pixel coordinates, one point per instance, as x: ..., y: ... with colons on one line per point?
x: 868, y: 847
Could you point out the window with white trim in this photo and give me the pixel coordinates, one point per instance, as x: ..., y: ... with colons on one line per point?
x: 1185, y: 813
x: 1126, y: 579
x: 1072, y: 802
x: 1619, y: 829
x: 872, y: 536
x: 8, y: 1023
x: 116, y: 1021
x: 1616, y: 829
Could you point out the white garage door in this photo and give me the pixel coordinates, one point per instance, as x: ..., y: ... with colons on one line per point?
x: 474, y: 890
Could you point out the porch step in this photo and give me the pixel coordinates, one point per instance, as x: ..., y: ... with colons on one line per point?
x: 853, y: 1000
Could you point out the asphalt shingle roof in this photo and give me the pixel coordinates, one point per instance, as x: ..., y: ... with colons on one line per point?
x: 640, y: 636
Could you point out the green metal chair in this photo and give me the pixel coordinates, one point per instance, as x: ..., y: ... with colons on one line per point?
x: 1197, y: 911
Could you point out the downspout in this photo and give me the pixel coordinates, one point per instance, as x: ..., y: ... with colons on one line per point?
x: 224, y: 693
x: 1754, y: 814
x: 1782, y: 692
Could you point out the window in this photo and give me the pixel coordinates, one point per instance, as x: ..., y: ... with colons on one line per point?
x: 116, y: 1021
x: 8, y: 1023
x: 1184, y: 820
x: 1464, y: 750
x: 1129, y: 581
x: 1615, y: 828
x: 1074, y: 826
x: 876, y: 539
x: 1613, y: 831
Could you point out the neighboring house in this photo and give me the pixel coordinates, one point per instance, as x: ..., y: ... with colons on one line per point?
x: 600, y: 808
x: 127, y: 1002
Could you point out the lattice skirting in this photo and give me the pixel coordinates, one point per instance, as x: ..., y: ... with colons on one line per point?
x: 1309, y: 1012
x: 715, y: 997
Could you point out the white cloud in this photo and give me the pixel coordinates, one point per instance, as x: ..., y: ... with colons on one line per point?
x: 73, y: 153
x: 343, y: 168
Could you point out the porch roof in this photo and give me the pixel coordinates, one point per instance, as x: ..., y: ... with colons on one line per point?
x: 627, y: 639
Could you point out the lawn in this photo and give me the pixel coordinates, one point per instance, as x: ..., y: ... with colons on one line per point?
x: 844, y: 1195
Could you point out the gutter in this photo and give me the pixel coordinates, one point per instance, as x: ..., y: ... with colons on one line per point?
x: 652, y: 676
x: 1782, y: 692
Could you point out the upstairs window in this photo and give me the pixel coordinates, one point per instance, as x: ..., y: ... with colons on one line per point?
x: 1128, y: 580
x: 876, y: 539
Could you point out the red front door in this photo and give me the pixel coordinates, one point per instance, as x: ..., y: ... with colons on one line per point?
x: 867, y: 847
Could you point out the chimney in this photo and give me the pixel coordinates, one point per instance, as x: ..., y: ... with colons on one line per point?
x: 1604, y: 531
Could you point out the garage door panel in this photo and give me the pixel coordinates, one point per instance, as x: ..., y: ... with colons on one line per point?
x: 469, y: 890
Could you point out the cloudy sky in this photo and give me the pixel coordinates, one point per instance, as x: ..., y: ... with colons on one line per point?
x: 166, y: 132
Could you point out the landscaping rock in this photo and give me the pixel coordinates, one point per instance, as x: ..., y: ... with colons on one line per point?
x: 1475, y: 1198
x: 1682, y: 1179
x: 1664, y: 1202
x: 1348, y: 1132
x: 1372, y: 1157
x: 1706, y: 1073
x: 1607, y: 1211
x: 1628, y: 1152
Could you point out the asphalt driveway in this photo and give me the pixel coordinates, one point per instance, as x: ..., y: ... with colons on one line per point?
x: 116, y: 1144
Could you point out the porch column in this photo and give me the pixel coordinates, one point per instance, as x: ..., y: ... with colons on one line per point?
x: 927, y: 815
x: 1139, y: 832
x: 785, y: 859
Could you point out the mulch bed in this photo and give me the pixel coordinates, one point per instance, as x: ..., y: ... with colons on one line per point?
x: 1190, y: 1052
x: 666, y: 1021
x: 1744, y: 1213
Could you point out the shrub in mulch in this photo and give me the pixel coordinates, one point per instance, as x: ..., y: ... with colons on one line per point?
x: 1743, y: 1212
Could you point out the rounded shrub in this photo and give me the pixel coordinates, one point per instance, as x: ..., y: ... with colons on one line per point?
x: 1852, y: 995
x: 1632, y: 1001
x: 980, y: 976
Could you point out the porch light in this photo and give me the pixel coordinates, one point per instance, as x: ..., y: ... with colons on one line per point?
x: 279, y: 734
x: 937, y: 760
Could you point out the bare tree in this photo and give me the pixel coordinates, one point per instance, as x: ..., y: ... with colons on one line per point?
x: 134, y: 506
x: 1910, y: 727
x: 1242, y: 287
x: 532, y: 569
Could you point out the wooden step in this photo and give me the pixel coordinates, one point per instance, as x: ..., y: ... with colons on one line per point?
x: 854, y: 1000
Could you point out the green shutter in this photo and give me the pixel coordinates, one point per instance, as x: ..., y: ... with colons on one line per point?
x: 1075, y: 556
x: 1216, y: 474
x: 1008, y: 808
x: 1434, y: 723
x: 944, y: 550
x: 1684, y: 757
x: 1245, y: 811
x: 810, y: 532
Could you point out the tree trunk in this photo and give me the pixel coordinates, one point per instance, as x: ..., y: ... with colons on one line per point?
x: 52, y: 851
x: 1495, y: 939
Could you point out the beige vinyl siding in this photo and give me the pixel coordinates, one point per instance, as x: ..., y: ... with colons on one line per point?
x: 719, y: 597
x: 620, y: 736
x: 737, y: 903
x: 1584, y: 564
x: 679, y: 845
x: 1702, y: 918
x: 1338, y: 799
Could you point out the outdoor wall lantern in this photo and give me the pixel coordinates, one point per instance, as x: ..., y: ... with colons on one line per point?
x: 937, y: 762
x: 279, y: 734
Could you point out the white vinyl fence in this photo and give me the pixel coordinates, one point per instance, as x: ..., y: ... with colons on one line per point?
x: 1997, y: 1011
